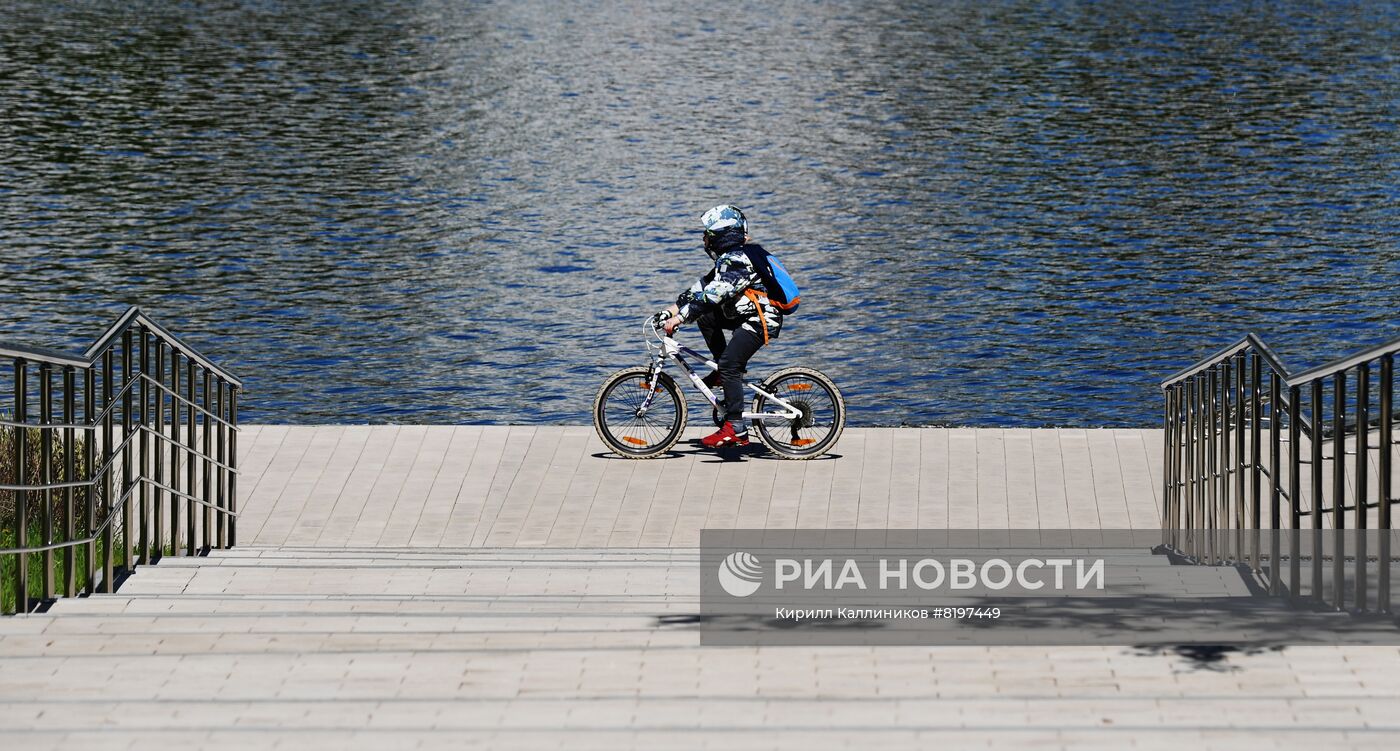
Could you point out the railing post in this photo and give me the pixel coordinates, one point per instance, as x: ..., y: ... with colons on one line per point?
x: 1256, y: 459
x: 1189, y: 461
x: 1171, y: 466
x: 1178, y: 420
x: 46, y: 473
x: 1203, y: 519
x: 1212, y: 494
x: 144, y: 456
x: 1363, y: 456
x: 1240, y: 463
x: 107, y: 506
x: 90, y: 465
x: 128, y: 481
x: 190, y: 477
x: 1226, y: 423
x: 21, y: 496
x: 1315, y: 476
x: 233, y: 466
x: 221, y: 534
x: 1385, y: 478
x: 1295, y: 491
x: 175, y: 527
x: 1339, y: 488
x: 1169, y: 470
x: 1275, y: 516
x: 158, y: 457
x: 70, y: 474
x: 207, y: 478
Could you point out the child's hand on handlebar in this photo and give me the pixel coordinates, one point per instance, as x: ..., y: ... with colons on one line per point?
x: 668, y: 319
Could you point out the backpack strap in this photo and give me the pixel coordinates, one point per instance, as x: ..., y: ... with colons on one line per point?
x: 753, y: 295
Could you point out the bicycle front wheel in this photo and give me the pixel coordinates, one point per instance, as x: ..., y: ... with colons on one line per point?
x: 820, y: 422
x: 623, y: 425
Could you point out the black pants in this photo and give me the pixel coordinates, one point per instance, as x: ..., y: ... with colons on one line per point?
x: 732, y: 357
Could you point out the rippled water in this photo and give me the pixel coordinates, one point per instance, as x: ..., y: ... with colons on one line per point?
x: 1001, y: 213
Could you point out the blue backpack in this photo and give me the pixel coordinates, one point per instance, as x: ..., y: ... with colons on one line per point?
x: 782, y: 290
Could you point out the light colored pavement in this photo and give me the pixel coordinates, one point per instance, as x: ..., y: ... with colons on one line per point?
x: 501, y: 605
x: 474, y: 486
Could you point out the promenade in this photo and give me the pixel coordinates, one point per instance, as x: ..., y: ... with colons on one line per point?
x: 516, y: 587
x: 473, y: 486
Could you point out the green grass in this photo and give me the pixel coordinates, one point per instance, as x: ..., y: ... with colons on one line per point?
x: 35, y: 564
x: 32, y: 523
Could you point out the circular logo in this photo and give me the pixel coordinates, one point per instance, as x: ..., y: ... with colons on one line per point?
x: 740, y: 574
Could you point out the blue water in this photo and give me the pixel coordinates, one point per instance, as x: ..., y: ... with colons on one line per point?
x: 1005, y: 213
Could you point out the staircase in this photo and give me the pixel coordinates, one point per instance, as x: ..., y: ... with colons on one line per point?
x: 1259, y: 461
x: 111, y: 460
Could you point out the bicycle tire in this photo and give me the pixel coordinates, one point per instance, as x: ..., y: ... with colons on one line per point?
x: 626, y: 444
x: 786, y: 447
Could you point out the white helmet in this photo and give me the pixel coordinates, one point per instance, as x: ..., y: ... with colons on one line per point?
x: 721, y: 218
x: 725, y: 227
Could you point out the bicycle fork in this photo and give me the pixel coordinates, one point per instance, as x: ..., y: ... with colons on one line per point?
x: 652, y: 374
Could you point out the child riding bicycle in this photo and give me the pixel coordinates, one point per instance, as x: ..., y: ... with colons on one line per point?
x: 730, y: 297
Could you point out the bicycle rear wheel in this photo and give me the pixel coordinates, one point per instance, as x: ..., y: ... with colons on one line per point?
x: 822, y: 418
x: 634, y: 436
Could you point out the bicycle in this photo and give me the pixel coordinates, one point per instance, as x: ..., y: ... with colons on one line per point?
x: 797, y: 412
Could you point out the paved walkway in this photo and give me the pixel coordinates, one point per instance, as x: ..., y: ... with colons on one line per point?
x: 505, y: 588
x: 415, y: 486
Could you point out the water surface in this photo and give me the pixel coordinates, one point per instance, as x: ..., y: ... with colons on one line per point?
x: 1003, y: 213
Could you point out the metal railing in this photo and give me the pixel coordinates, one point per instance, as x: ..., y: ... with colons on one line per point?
x: 136, y: 458
x: 1258, y: 462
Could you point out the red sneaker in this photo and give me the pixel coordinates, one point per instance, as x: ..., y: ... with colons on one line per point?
x: 725, y: 436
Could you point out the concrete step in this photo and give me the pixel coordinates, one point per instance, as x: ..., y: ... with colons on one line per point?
x: 273, y: 589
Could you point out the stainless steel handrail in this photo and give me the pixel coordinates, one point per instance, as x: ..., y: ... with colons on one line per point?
x: 43, y: 354
x: 110, y: 515
x: 99, y: 472
x: 1272, y: 359
x: 1346, y: 363
x: 1248, y: 447
x: 162, y: 468
x: 133, y: 315
x: 1246, y: 342
x: 96, y: 423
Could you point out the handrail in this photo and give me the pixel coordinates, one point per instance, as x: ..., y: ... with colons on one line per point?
x: 133, y: 315
x: 158, y: 431
x: 115, y: 403
x: 97, y: 531
x: 1251, y: 452
x: 111, y: 463
x: 1345, y: 363
x: 43, y: 354
x: 1272, y: 359
x: 1248, y: 340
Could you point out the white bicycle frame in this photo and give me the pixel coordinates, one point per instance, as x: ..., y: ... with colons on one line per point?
x: 671, y: 349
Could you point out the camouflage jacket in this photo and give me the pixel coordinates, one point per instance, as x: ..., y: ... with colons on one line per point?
x: 725, y: 287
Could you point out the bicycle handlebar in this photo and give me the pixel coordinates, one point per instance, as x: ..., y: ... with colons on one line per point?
x: 653, y: 322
